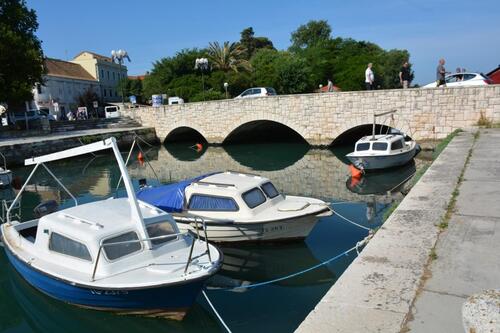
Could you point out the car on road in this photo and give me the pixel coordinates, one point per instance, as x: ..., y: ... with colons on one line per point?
x: 257, y: 92
x: 463, y: 80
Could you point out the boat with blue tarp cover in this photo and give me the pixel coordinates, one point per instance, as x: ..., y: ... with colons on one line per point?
x: 237, y: 207
x: 119, y: 254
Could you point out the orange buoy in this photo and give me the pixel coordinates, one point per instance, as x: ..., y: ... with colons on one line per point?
x: 140, y: 157
x: 199, y: 147
x: 355, y: 172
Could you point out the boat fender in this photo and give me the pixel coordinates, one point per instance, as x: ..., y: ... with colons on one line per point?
x: 355, y: 172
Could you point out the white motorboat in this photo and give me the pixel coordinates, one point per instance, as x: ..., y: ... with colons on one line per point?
x: 119, y: 254
x: 237, y: 207
x: 383, y: 151
x: 5, y: 174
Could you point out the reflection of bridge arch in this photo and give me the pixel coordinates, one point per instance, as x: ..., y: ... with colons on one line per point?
x: 319, y: 173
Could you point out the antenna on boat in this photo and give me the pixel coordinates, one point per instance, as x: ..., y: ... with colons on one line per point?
x: 375, y: 115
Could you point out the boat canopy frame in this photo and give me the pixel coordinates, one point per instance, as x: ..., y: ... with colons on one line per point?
x: 109, y: 143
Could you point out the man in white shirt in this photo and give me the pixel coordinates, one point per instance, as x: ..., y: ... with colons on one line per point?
x: 369, y: 77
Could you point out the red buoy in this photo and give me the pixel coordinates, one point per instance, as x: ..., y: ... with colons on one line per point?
x: 355, y: 172
x: 199, y: 147
x: 140, y: 157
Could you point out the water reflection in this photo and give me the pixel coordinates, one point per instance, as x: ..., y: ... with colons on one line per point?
x: 185, y: 151
x: 40, y: 313
x: 266, y: 157
x: 381, y: 182
x: 249, y: 264
x: 278, y: 307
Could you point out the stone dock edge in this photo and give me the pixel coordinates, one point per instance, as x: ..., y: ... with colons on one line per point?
x: 376, y: 292
x: 17, y: 150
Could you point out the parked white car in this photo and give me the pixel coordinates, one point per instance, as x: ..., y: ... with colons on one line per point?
x: 257, y: 92
x: 175, y: 100
x: 463, y: 80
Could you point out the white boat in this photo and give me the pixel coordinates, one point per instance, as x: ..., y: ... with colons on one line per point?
x: 237, y: 207
x: 119, y: 254
x: 383, y: 151
x: 5, y: 174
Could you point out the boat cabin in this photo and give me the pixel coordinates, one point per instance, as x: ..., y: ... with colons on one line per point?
x: 225, y: 193
x: 77, y: 236
x: 382, y: 144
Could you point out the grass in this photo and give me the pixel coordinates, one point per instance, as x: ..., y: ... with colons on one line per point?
x: 433, y: 255
x: 484, y: 121
x: 442, y: 145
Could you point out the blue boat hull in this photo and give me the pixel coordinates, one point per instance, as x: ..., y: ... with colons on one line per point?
x: 170, y: 301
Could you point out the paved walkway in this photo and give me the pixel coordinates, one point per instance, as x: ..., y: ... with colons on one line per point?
x: 64, y: 135
x: 468, y: 251
x: 377, y: 291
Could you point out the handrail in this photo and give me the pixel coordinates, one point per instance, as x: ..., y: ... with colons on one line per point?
x: 60, y: 184
x: 16, y: 199
x: 4, y: 161
x: 200, y: 182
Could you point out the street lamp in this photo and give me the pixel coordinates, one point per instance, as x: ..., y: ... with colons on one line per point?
x: 120, y: 56
x: 202, y: 65
x: 225, y: 87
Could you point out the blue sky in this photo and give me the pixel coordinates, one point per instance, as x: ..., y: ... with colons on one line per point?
x: 465, y: 33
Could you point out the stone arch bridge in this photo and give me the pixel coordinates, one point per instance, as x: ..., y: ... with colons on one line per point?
x: 321, y: 118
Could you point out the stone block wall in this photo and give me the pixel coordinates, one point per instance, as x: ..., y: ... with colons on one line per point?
x: 321, y: 117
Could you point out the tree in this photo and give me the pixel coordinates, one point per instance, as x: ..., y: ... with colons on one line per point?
x: 21, y: 56
x: 284, y: 71
x: 310, y: 34
x: 228, y: 57
x: 252, y: 44
x: 131, y: 88
x: 87, y: 99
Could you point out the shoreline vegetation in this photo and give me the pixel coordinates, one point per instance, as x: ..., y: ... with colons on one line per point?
x: 314, y: 57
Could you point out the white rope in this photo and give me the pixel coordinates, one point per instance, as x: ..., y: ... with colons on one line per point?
x: 350, y: 221
x: 215, y: 311
x: 326, y: 204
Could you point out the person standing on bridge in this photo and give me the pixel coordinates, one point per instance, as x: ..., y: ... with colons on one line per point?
x: 369, y: 77
x: 330, y: 85
x: 404, y: 75
x: 440, y: 73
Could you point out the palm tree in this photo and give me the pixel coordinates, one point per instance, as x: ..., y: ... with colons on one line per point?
x: 228, y: 57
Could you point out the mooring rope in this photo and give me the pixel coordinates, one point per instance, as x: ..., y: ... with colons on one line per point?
x: 215, y: 311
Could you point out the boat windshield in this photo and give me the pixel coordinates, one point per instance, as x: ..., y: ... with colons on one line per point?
x: 159, y: 229
x: 379, y: 146
x: 397, y: 145
x: 254, y: 197
x: 116, y: 251
x: 270, y: 190
x: 363, y: 146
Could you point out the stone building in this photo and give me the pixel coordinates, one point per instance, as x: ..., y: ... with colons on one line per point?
x: 64, y: 81
x: 62, y: 84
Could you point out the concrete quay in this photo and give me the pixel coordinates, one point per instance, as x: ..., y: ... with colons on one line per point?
x: 378, y: 290
x: 467, y: 251
x: 16, y: 150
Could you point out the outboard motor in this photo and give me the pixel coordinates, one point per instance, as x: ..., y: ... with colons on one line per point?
x: 45, y: 208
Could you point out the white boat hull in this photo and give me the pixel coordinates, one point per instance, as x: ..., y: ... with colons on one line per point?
x: 281, y: 230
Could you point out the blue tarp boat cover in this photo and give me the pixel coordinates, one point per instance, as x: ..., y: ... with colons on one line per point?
x: 169, y: 198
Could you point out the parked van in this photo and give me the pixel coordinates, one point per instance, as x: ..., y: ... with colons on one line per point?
x: 112, y: 111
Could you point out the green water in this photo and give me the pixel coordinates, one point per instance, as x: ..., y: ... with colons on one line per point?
x: 279, y: 307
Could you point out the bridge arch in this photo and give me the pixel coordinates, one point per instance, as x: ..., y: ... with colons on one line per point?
x: 264, y: 130
x: 351, y: 135
x: 184, y: 134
